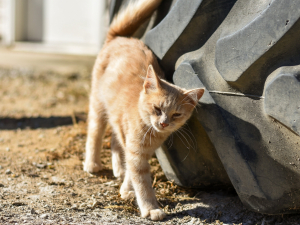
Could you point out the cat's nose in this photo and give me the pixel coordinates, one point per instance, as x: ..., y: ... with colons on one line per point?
x: 164, y: 124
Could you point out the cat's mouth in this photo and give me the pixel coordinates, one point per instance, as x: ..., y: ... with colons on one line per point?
x: 160, y: 129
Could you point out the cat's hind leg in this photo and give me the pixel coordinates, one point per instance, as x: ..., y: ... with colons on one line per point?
x: 97, y: 122
x: 127, y: 191
x: 118, y: 158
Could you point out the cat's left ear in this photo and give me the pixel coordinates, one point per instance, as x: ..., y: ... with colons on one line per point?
x: 152, y: 81
x: 195, y: 95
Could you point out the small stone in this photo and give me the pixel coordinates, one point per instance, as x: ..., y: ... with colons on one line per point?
x: 193, y: 221
x: 95, y: 204
x: 166, y: 209
x: 66, y: 202
x: 40, y: 165
x: 44, y: 216
x: 50, y: 166
x: 83, y: 205
x: 33, y: 175
x: 7, y: 149
x: 32, y: 211
x: 57, y: 181
x: 18, y: 203
x: 111, y: 184
x: 74, y: 206
x: 44, y: 177
x: 8, y: 171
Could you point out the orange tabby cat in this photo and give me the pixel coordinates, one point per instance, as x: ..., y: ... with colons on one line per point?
x: 143, y: 109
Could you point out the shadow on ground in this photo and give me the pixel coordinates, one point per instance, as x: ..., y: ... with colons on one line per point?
x: 7, y: 123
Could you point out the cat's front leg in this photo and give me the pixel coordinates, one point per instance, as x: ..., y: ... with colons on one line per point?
x: 138, y: 168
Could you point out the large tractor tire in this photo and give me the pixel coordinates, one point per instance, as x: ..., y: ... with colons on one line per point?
x: 246, y: 130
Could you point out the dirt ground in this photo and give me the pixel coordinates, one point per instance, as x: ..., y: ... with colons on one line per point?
x: 43, y: 106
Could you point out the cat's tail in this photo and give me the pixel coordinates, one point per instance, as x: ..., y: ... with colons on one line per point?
x: 129, y: 20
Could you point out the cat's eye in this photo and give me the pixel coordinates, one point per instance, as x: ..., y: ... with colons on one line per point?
x: 176, y: 115
x: 157, y: 110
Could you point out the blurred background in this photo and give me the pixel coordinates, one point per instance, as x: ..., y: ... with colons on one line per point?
x: 69, y: 26
x: 50, y: 45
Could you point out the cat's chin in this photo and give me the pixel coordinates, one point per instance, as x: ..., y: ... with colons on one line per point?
x: 160, y: 130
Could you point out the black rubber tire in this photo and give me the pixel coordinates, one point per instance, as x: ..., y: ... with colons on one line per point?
x: 246, y: 131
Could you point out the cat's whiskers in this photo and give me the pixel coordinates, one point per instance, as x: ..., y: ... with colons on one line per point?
x: 170, y: 141
x: 193, y: 140
x: 188, y: 143
x: 145, y: 126
x: 188, y: 129
x: 182, y: 140
x: 186, y: 155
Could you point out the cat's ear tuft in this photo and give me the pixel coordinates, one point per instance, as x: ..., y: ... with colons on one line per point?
x: 151, y: 82
x: 195, y: 95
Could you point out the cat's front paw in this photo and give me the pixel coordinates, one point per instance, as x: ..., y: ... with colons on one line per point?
x: 155, y: 214
x: 127, y: 194
x: 92, y: 167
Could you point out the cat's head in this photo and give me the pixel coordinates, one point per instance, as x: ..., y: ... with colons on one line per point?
x: 165, y: 106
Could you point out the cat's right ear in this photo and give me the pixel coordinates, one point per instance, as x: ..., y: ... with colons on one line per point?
x: 152, y: 82
x: 194, y: 95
